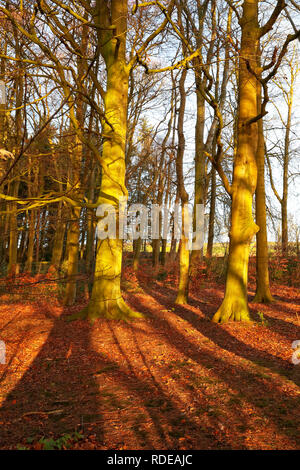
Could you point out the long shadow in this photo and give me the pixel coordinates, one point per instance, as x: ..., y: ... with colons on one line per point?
x: 251, y: 385
x: 278, y: 325
x: 283, y: 298
x: 60, y: 393
x: 280, y: 298
x: 284, y: 328
x: 10, y: 321
x: 163, y: 409
x: 57, y: 392
x: 283, y: 309
x: 230, y: 343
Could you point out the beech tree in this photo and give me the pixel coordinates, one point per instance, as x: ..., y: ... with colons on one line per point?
x: 106, y: 298
x: 244, y: 181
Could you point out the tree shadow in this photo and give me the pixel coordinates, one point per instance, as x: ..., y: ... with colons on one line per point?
x: 57, y: 393
x: 284, y: 328
x: 63, y: 391
x: 249, y: 382
x: 99, y: 379
x: 163, y: 409
x: 226, y: 341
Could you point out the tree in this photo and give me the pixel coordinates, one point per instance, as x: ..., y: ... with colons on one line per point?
x: 243, y: 227
x: 106, y: 298
x: 287, y: 92
x: 184, y: 253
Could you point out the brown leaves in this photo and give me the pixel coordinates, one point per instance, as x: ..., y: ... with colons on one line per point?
x: 173, y: 380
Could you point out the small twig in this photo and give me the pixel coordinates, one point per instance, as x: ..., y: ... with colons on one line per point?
x: 30, y: 413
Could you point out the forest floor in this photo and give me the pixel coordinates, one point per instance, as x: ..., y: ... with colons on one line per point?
x: 173, y: 380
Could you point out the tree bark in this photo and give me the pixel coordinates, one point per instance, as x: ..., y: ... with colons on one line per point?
x: 184, y: 254
x: 284, y: 202
x: 243, y: 227
x: 106, y: 298
x: 263, y: 293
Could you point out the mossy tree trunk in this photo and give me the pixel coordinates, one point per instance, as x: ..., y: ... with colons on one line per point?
x: 184, y: 254
x: 263, y: 293
x: 200, y: 164
x: 106, y: 298
x: 243, y: 227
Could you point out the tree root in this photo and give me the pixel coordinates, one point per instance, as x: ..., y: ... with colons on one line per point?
x: 262, y: 298
x: 116, y: 309
x: 232, y: 311
x: 181, y: 299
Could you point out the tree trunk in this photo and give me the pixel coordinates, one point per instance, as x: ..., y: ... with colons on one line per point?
x: 58, y: 244
x: 200, y: 167
x: 136, y: 254
x: 184, y: 255
x: 184, y: 263
x: 212, y: 214
x: 243, y: 228
x: 284, y: 211
x: 263, y: 293
x: 72, y: 257
x: 155, y: 253
x: 90, y: 236
x: 106, y: 298
x: 31, y: 238
x: 13, y: 233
